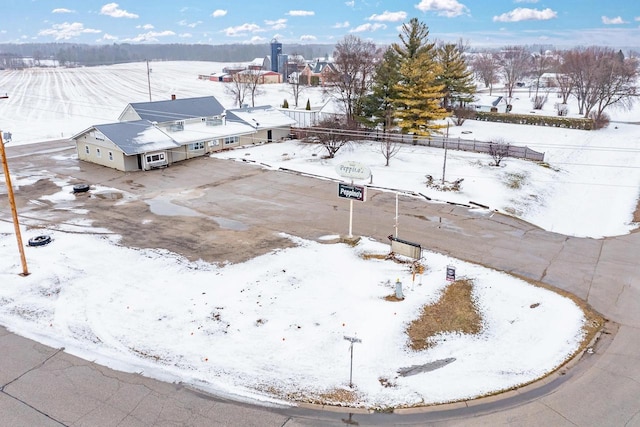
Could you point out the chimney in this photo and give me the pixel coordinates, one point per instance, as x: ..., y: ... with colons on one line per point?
x: 173, y: 97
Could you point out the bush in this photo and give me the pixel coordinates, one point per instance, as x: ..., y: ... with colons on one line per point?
x: 460, y: 114
x: 601, y: 120
x: 285, y: 104
x: 525, y: 119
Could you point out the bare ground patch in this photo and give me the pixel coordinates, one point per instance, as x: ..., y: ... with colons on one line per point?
x: 454, y: 312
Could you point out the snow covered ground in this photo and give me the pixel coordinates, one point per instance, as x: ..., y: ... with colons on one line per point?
x: 277, y: 322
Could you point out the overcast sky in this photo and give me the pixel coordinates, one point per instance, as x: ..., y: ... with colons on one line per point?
x: 480, y: 22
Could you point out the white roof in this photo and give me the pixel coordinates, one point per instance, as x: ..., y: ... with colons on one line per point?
x: 195, y: 132
x: 263, y: 117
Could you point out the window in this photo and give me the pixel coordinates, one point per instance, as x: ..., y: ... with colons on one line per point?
x: 196, y: 146
x: 111, y: 155
x: 155, y: 157
x: 98, y: 153
x: 86, y: 149
x: 231, y: 140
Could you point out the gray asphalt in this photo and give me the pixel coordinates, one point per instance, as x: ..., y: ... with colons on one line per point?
x: 46, y: 386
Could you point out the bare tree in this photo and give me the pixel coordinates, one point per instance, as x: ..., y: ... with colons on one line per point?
x: 254, y: 79
x: 565, y: 85
x: 498, y: 149
x: 238, y: 88
x: 486, y: 67
x: 540, y: 64
x: 355, y: 63
x: 389, y: 147
x: 515, y: 63
x: 601, y: 78
x: 331, y: 134
x: 296, y: 86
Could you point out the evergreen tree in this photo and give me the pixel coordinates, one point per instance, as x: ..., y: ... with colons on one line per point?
x: 308, y: 107
x: 285, y: 104
x: 456, y: 76
x: 378, y: 106
x: 418, y: 103
x: 418, y: 91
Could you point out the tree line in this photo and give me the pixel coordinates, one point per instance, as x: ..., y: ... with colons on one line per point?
x: 72, y: 54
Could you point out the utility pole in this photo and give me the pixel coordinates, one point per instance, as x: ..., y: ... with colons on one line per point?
x: 12, y: 203
x: 149, y: 79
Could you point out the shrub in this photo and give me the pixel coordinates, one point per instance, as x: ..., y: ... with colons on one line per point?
x: 601, y: 120
x: 525, y: 119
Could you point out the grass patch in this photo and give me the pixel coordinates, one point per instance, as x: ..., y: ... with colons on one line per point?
x: 454, y: 312
x: 515, y: 181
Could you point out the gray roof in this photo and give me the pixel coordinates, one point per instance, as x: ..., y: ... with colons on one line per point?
x: 137, y: 137
x: 178, y: 109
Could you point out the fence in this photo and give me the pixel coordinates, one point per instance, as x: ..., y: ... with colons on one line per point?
x: 472, y: 145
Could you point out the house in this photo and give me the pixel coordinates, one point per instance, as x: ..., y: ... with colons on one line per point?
x: 157, y: 134
x: 318, y: 73
x: 259, y: 76
x: 489, y: 104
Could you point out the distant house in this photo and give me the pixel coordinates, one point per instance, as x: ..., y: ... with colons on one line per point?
x: 157, y: 134
x: 318, y: 73
x: 261, y: 76
x: 489, y: 104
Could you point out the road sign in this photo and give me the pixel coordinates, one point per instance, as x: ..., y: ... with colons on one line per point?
x: 353, y: 170
x: 351, y: 191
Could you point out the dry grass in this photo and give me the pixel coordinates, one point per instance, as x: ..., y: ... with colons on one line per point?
x: 636, y: 213
x: 454, y: 312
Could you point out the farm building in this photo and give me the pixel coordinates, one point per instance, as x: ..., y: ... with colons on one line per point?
x: 157, y: 134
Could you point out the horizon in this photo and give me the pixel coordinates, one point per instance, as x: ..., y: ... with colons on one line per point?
x: 503, y: 22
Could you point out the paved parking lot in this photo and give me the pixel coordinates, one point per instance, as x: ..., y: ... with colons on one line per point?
x: 233, y: 211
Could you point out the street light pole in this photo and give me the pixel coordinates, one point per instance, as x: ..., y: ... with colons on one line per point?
x: 12, y: 203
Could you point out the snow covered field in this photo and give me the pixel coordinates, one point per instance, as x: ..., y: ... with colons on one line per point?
x: 267, y: 325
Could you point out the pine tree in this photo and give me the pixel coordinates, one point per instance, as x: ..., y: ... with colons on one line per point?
x: 418, y: 102
x: 456, y: 76
x: 378, y: 106
x: 418, y: 91
x: 285, y: 104
x: 308, y: 107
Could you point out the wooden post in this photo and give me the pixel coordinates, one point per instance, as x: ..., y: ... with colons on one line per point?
x: 12, y: 203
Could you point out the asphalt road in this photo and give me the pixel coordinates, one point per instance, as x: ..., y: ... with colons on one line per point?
x: 45, y: 386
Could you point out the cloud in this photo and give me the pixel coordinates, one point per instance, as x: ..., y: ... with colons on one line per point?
x: 67, y: 31
x: 145, y: 27
x: 525, y: 1
x: 114, y: 11
x: 368, y: 28
x: 387, y: 16
x: 614, y: 21
x: 185, y: 35
x: 344, y: 24
x: 151, y: 36
x: 108, y: 38
x: 241, y: 30
x: 526, y: 14
x: 351, y: 3
x: 448, y: 8
x: 300, y: 13
x: 218, y: 13
x: 62, y: 10
x: 277, y: 24
x: 184, y: 23
x: 308, y: 38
